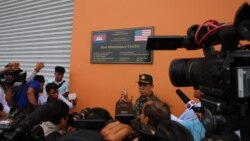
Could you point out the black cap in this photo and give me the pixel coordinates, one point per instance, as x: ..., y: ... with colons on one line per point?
x: 145, y: 78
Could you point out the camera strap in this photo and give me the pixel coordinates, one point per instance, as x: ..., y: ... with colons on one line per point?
x: 59, y: 85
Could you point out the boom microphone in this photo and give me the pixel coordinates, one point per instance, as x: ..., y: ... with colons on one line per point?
x: 189, y: 103
x: 182, y: 95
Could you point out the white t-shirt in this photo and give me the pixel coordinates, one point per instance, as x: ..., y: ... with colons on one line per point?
x: 64, y: 87
x: 42, y: 99
x: 6, y: 108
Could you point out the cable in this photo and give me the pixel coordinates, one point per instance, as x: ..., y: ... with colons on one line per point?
x: 211, y: 26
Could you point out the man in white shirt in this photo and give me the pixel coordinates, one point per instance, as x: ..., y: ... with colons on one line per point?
x: 6, y: 108
x: 52, y: 94
x: 63, y: 85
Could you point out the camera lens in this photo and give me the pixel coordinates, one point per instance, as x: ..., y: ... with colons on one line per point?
x: 182, y: 72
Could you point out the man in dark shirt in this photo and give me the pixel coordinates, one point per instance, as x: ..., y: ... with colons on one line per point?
x: 54, y: 121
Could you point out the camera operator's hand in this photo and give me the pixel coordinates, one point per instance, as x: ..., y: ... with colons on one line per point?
x: 14, y: 65
x: 38, y: 66
x: 74, y: 101
x: 116, y: 131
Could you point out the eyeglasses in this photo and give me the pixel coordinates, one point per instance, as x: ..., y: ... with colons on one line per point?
x: 190, y: 104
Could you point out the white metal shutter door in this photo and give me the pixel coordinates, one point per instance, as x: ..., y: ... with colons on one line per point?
x: 36, y: 30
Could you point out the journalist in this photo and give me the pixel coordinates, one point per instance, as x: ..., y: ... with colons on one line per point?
x: 54, y: 121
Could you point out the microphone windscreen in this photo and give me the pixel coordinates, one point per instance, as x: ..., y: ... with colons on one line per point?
x: 183, y: 96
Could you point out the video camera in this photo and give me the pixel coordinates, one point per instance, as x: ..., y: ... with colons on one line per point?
x: 223, y: 76
x: 11, y: 74
x: 15, y: 128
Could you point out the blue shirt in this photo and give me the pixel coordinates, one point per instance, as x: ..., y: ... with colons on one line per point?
x: 189, y: 113
x: 196, y: 128
x: 23, y: 98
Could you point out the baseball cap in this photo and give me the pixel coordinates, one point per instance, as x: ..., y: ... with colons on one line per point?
x: 145, y: 78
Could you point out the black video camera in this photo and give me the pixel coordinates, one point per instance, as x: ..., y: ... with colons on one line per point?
x: 223, y: 76
x: 9, y: 126
x: 9, y: 77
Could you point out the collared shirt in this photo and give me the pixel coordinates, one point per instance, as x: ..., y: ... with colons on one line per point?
x: 196, y: 128
x: 174, y: 118
x: 6, y: 108
x: 189, y: 113
x: 63, y: 89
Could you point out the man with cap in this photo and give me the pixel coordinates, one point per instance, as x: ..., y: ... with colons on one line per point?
x: 145, y: 84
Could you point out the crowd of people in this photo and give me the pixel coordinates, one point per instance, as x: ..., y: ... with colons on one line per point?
x: 153, y: 119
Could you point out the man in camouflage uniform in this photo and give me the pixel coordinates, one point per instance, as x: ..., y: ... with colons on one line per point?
x: 146, y: 86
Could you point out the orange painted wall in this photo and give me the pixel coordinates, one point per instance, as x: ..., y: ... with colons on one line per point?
x: 100, y: 84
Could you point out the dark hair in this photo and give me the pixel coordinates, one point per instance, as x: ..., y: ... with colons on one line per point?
x: 59, y: 69
x: 59, y: 110
x: 39, y: 78
x: 156, y: 111
x: 51, y: 86
x: 173, y: 131
x: 98, y: 113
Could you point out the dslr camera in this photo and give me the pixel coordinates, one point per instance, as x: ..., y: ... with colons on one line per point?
x: 223, y: 76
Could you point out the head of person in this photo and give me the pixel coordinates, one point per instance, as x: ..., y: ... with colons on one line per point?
x: 98, y: 113
x: 59, y: 73
x: 145, y: 84
x: 41, y: 80
x: 52, y: 90
x: 153, y: 112
x: 58, y: 113
x: 172, y: 131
